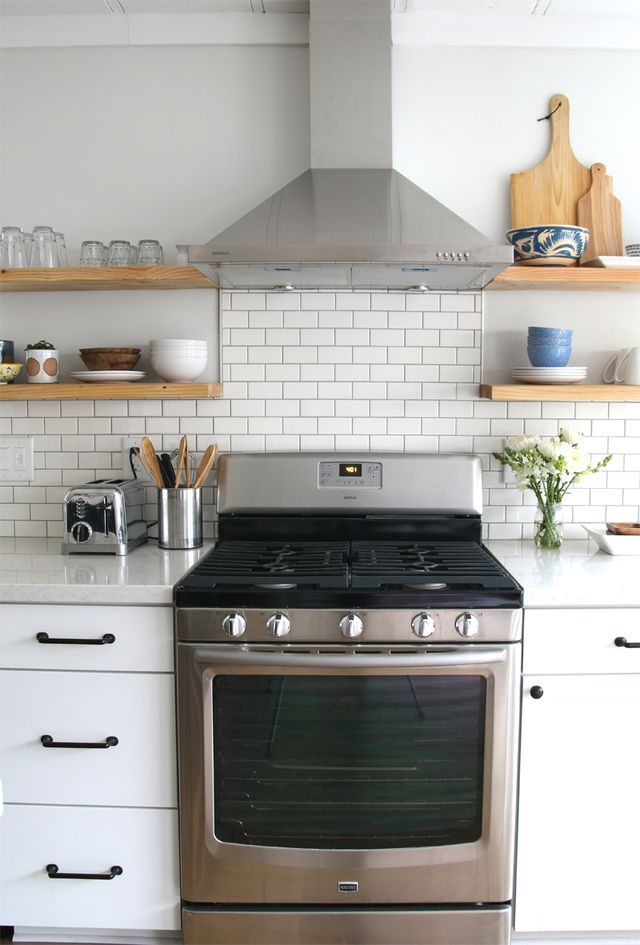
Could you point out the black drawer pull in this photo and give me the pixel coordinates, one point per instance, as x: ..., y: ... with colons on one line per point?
x: 47, y: 742
x: 43, y: 637
x: 53, y: 872
x: 536, y: 692
x: 622, y: 641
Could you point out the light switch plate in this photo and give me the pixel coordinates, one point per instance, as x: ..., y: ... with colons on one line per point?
x: 16, y: 459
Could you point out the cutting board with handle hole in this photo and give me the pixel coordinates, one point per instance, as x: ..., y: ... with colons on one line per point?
x: 550, y: 191
x: 601, y: 213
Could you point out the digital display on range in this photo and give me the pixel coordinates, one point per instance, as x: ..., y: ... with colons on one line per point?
x: 350, y: 469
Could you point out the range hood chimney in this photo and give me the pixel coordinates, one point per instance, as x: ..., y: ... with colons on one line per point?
x: 351, y: 221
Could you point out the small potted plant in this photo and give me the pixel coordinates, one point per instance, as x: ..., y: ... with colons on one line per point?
x: 42, y: 363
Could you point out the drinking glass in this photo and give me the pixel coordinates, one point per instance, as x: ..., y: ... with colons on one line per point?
x: 62, y: 249
x: 92, y: 253
x: 119, y: 253
x: 13, y: 249
x: 44, y: 252
x: 150, y: 253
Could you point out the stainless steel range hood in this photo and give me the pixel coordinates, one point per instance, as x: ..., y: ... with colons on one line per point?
x: 351, y: 221
x: 367, y: 228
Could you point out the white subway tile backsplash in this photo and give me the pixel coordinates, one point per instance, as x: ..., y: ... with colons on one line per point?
x: 326, y: 370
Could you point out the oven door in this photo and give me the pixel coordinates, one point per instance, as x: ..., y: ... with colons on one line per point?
x: 347, y: 777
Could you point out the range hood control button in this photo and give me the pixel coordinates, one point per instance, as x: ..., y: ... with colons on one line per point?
x: 234, y: 625
x: 278, y: 625
x: 81, y: 532
x: 423, y: 625
x: 351, y: 626
x: 467, y: 625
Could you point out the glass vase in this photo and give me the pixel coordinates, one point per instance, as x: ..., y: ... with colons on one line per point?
x: 548, y: 526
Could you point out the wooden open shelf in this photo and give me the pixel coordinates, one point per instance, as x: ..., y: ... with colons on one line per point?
x: 565, y: 278
x: 102, y: 279
x: 130, y: 391
x: 567, y: 392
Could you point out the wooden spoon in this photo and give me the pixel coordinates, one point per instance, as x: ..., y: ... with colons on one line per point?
x: 148, y: 451
x: 146, y: 467
x: 182, y: 454
x: 206, y: 463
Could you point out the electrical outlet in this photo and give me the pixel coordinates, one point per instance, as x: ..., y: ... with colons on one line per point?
x: 16, y: 459
x: 508, y: 475
x: 127, y: 443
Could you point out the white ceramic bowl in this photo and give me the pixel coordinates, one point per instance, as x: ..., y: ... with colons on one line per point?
x: 177, y: 343
x: 178, y: 367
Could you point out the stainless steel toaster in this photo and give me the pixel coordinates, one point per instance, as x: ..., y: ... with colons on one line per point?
x: 105, y: 516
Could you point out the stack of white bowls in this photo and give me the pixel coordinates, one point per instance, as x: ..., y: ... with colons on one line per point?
x: 178, y: 359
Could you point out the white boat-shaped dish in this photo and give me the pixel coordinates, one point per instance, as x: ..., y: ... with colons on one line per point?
x: 107, y: 377
x: 613, y: 262
x: 614, y: 544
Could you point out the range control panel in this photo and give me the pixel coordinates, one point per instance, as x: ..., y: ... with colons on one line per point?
x: 350, y: 475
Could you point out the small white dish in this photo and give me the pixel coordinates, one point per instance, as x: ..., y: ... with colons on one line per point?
x: 614, y: 544
x: 107, y: 377
x: 614, y: 262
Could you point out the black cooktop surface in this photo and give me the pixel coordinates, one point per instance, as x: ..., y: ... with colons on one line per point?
x: 348, y: 574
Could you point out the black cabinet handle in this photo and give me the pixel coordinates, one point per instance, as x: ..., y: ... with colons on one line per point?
x: 43, y: 637
x: 622, y: 641
x: 53, y: 872
x: 47, y: 742
x: 536, y: 692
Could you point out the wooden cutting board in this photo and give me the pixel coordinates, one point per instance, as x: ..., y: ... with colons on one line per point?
x: 601, y: 213
x: 549, y: 192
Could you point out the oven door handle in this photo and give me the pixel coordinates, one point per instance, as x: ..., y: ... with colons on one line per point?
x: 469, y: 655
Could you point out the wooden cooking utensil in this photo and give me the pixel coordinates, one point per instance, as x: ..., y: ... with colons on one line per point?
x: 549, y: 192
x: 182, y: 453
x: 601, y: 213
x: 150, y: 472
x: 206, y: 464
x: 148, y: 451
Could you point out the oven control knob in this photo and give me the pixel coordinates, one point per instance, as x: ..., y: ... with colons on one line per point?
x: 467, y: 625
x: 278, y: 625
x: 351, y: 626
x: 81, y: 531
x: 423, y: 625
x: 234, y: 625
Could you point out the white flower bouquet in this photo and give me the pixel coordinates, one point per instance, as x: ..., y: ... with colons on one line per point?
x: 549, y: 467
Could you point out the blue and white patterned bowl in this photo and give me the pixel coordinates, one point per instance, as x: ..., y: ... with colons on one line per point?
x: 549, y: 355
x: 548, y: 245
x: 550, y: 334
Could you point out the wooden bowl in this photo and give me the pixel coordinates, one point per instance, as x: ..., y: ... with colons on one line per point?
x: 623, y: 528
x: 110, y: 359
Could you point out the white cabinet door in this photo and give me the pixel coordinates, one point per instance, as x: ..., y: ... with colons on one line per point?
x: 135, y: 708
x: 579, y: 825
x: 144, y: 843
x: 143, y: 638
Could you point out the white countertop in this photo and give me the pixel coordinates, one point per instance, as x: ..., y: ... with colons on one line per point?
x: 32, y: 570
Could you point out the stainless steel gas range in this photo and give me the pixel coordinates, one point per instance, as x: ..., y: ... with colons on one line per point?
x: 348, y: 665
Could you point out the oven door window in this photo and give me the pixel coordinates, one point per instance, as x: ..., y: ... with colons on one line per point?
x: 348, y: 762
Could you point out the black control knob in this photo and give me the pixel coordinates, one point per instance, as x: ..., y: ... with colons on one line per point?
x: 81, y: 532
x: 536, y: 692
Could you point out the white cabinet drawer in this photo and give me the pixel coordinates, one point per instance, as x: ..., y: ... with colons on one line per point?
x: 581, y: 641
x: 88, y: 707
x: 89, y: 840
x: 143, y: 638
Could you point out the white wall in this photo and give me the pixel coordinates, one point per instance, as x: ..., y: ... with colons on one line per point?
x: 465, y: 119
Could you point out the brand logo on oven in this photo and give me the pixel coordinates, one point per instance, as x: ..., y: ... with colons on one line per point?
x: 351, y: 498
x: 347, y: 887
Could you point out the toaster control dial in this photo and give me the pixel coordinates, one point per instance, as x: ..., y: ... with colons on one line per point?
x: 234, y: 625
x: 278, y: 625
x: 81, y: 532
x: 423, y: 625
x: 467, y: 625
x: 351, y: 626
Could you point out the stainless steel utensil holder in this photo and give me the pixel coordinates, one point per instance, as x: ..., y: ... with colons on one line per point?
x: 179, y: 518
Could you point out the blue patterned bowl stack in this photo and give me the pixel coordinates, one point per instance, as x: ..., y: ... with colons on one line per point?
x: 549, y: 347
x: 550, y: 245
x: 537, y: 335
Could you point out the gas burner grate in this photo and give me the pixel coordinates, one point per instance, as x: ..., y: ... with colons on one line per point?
x: 374, y: 564
x: 277, y: 564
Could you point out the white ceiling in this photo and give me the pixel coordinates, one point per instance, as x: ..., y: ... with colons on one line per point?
x: 606, y: 8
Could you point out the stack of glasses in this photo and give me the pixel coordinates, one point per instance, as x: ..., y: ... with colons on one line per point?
x: 43, y: 249
x: 549, y: 347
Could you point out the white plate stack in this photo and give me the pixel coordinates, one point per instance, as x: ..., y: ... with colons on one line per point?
x: 549, y: 375
x: 178, y: 359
